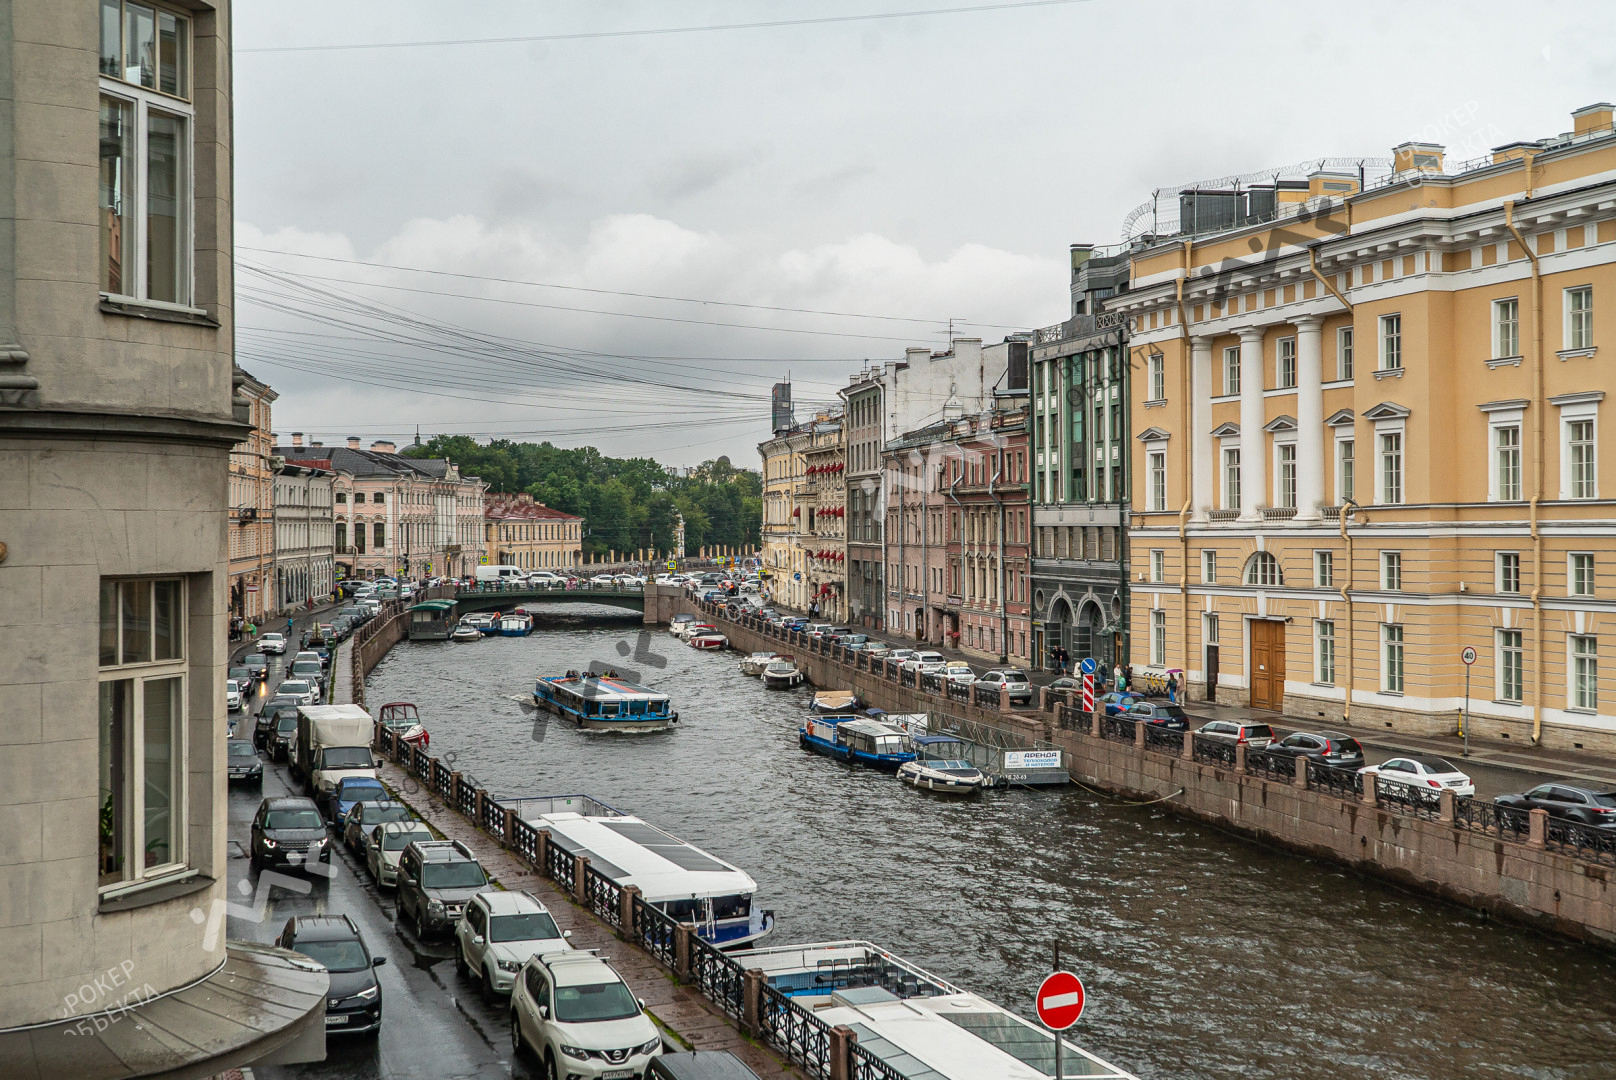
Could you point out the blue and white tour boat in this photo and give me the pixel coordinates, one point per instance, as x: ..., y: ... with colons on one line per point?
x: 516, y: 624
x: 855, y: 738
x: 604, y: 701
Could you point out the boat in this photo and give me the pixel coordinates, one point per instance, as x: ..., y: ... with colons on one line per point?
x: 940, y: 766
x: 709, y: 640
x: 677, y: 877
x: 915, y: 1023
x: 856, y: 739
x: 486, y: 622
x: 688, y: 630
x: 403, y: 719
x: 604, y: 701
x: 835, y: 702
x: 464, y: 632
x: 679, y: 622
x: 782, y: 673
x: 516, y: 624
x: 428, y: 621
x: 754, y: 664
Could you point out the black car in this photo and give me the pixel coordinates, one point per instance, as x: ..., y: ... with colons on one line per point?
x: 273, y: 710
x: 435, y: 880
x: 1330, y: 748
x: 1159, y: 714
x: 243, y: 763
x: 1570, y: 803
x: 244, y: 679
x: 280, y: 740
x: 288, y: 831
x: 699, y: 1065
x: 354, y: 1002
x: 257, y: 663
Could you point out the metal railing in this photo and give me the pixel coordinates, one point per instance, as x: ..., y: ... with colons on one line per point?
x: 1271, y: 766
x: 603, y: 896
x: 985, y: 695
x: 1505, y: 822
x: 798, y: 1034
x: 561, y: 867
x: 1404, y: 798
x: 720, y: 979
x: 1584, y: 841
x: 1213, y: 751
x: 1163, y: 740
x: 653, y: 931
x: 1342, y: 783
x: 864, y: 1065
x: 1117, y: 729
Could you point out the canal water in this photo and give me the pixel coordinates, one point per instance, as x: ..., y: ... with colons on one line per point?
x: 1203, y: 955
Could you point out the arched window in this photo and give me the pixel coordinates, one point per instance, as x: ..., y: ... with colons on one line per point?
x: 1263, y: 569
x: 379, y: 535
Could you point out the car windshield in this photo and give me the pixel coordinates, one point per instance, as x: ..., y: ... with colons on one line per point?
x: 293, y: 686
x: 294, y: 819
x: 241, y: 748
x: 335, y: 955
x: 604, y: 1001
x: 306, y: 667
x: 452, y: 875
x: 287, y: 723
x: 256, y: 659
x: 528, y: 926
x: 240, y: 673
x: 378, y: 813
x: 399, y: 840
x: 346, y: 757
x: 361, y: 793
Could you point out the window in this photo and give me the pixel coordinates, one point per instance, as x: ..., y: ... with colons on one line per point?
x: 1391, y: 663
x: 1510, y: 666
x: 359, y: 497
x: 1209, y: 627
x: 1158, y: 480
x: 1209, y: 567
x: 342, y: 496
x: 1324, y: 651
x: 1231, y: 478
x: 1579, y: 317
x: 1287, y: 474
x: 1506, y: 328
x: 1584, y: 671
x: 1158, y: 565
x: 1324, y: 569
x: 1581, y: 573
x: 379, y: 535
x: 1509, y: 571
x: 1231, y: 370
x: 1391, y: 467
x: 1286, y: 363
x: 1343, y: 353
x: 1391, y: 571
x: 1263, y: 569
x: 1580, y: 448
x: 1391, y: 343
x: 1158, y: 377
x: 1344, y: 449
x: 376, y: 498
x: 1507, y: 462
x: 1158, y: 638
x: 145, y: 171
x: 141, y: 720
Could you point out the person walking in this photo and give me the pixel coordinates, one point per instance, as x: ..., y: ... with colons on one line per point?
x: 1172, y: 688
x: 1116, y: 678
x: 289, y: 626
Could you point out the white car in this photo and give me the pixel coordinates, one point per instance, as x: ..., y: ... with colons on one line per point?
x: 546, y: 580
x: 308, y: 654
x: 918, y: 660
x: 900, y: 655
x: 300, y: 690
x: 580, y: 1019
x: 1426, y: 775
x: 958, y: 671
x: 602, y: 581
x: 272, y: 643
x: 232, y: 695
x: 497, y: 934
x: 385, y: 845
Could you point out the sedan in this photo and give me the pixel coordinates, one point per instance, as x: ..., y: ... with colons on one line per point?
x: 350, y: 792
x: 958, y: 671
x: 257, y: 663
x: 244, y: 679
x: 272, y: 643
x: 232, y: 696
x: 1159, y: 714
x: 243, y: 763
x: 1428, y: 774
x: 1116, y: 702
x: 1326, y: 747
x: 1567, y: 802
x: 360, y: 819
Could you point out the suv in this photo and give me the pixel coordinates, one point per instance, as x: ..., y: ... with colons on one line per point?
x: 1569, y: 803
x: 1258, y: 735
x: 498, y: 934
x: 1326, y: 747
x: 1012, y: 679
x: 300, y: 690
x: 288, y: 830
x: 580, y: 1018
x: 918, y: 660
x: 1159, y: 714
x: 355, y: 1002
x: 279, y: 740
x: 435, y: 879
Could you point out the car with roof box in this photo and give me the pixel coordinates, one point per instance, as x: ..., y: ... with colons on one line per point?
x: 436, y: 879
x: 498, y: 933
x: 579, y: 1018
x: 354, y: 1000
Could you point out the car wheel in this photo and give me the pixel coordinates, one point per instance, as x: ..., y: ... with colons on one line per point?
x: 517, y: 1045
x: 461, y: 967
x: 420, y: 925
x: 490, y: 995
x: 549, y: 1066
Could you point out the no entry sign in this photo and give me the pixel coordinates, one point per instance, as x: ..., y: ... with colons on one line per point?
x: 1060, y: 1000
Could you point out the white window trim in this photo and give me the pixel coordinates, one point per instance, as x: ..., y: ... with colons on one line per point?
x: 1158, y: 565
x: 1565, y: 318
x: 1385, y: 669
x: 1318, y: 652
x: 1346, y: 435
x: 1156, y: 373
x: 1231, y: 352
x: 1279, y: 349
x: 1342, y: 333
x: 1571, y: 579
x: 1571, y: 673
x: 1283, y: 438
x: 1495, y: 309
x: 1317, y: 562
x: 1386, y: 560
x: 1158, y: 637
x: 1569, y: 413
x: 1209, y: 566
x: 1504, y: 418
x: 1394, y: 426
x: 1231, y: 442
x: 1152, y: 450
x: 1498, y: 664
x: 1380, y: 342
x: 1498, y: 573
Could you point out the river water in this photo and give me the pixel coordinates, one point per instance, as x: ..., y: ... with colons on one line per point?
x: 1203, y: 955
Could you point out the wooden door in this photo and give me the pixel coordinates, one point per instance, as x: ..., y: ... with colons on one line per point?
x: 1211, y: 673
x: 1267, y: 664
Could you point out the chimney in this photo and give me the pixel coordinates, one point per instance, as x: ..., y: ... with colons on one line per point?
x: 382, y: 446
x: 1591, y: 119
x: 916, y: 353
x: 1423, y: 156
x: 353, y: 442
x: 1510, y: 151
x: 297, y: 438
x: 316, y: 442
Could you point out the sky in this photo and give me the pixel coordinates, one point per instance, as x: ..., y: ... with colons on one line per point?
x: 621, y: 236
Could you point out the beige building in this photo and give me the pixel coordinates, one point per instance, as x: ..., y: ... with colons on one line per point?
x: 118, y: 420
x: 252, y: 507
x: 1376, y: 442
x: 305, y: 553
x: 520, y: 532
x: 786, y: 502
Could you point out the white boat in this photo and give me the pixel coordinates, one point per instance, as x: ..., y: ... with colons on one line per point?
x: 935, y: 770
x: 516, y: 624
x: 835, y: 702
x: 679, y: 622
x: 464, y: 632
x: 686, y: 631
x: 709, y: 640
x: 682, y: 880
x: 604, y: 701
x: 782, y: 673
x: 754, y: 664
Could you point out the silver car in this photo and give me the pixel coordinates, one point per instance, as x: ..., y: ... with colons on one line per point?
x: 497, y: 934
x: 299, y: 690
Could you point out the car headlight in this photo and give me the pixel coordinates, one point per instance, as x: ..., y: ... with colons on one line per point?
x: 435, y: 906
x: 368, y: 994
x: 509, y: 965
x: 269, y: 843
x: 651, y: 1047
x: 576, y: 1052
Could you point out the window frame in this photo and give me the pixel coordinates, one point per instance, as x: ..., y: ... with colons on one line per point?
x: 1391, y: 571
x: 1324, y: 651
x: 1157, y: 375
x: 1156, y: 469
x: 1158, y: 637
x: 1509, y: 664
x: 1346, y: 468
x: 1285, y: 472
x: 1209, y: 566
x: 1323, y: 568
x: 1391, y: 341
x: 1343, y: 353
x: 1285, y: 350
x: 1230, y: 475
x: 1504, y: 483
x: 1575, y: 487
x: 1231, y: 370
x: 1158, y: 565
x: 1393, y: 644
x: 1507, y: 564
x: 1582, y: 672
x: 1579, y: 582
x: 1388, y: 455
x: 1256, y: 574
x: 1506, y: 327
x: 1570, y: 320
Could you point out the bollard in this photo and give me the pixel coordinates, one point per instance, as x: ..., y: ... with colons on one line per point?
x: 1094, y: 723
x: 1004, y: 699
x: 840, y: 1053
x: 1369, y: 794
x: 752, y: 1002
x: 1189, y: 745
x: 625, y: 913
x: 1301, y: 771
x: 580, y: 879
x: 1240, y: 757
x: 1444, y: 801
x: 1538, y: 829
x: 681, y: 952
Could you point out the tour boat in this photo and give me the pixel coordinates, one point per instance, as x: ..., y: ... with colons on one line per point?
x: 465, y: 632
x: 782, y: 673
x: 914, y: 1023
x: 516, y: 624
x: 687, y: 883
x: 934, y: 770
x: 852, y: 738
x: 403, y: 719
x: 485, y: 621
x: 754, y: 664
x: 709, y: 640
x: 604, y: 702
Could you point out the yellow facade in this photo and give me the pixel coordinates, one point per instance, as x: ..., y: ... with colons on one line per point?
x: 520, y: 532
x: 1467, y: 424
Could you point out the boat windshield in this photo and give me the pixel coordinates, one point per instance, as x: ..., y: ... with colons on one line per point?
x: 889, y: 744
x: 950, y: 765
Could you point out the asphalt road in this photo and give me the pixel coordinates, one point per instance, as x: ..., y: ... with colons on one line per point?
x: 434, y: 1025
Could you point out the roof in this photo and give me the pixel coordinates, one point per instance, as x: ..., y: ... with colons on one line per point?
x: 579, y: 968
x: 434, y: 605
x: 506, y: 902
x: 521, y: 508
x: 290, y: 802
x: 869, y: 727
x: 630, y: 851
x: 323, y: 928
x: 701, y: 1065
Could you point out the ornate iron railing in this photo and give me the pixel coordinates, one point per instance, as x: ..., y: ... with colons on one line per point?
x: 1068, y: 718
x: 1402, y: 798
x: 959, y: 691
x: 1213, y: 751
x: 562, y: 868
x: 985, y: 695
x: 1505, y: 822
x: 1583, y: 841
x: 653, y: 931
x: 465, y: 798
x: 1271, y: 766
x: 525, y: 841
x: 719, y: 978
x: 933, y: 683
x: 1342, y: 783
x: 1117, y: 729
x: 798, y: 1034
x: 864, y: 1065
x: 1164, y: 740
x: 604, y: 896
x: 906, y: 676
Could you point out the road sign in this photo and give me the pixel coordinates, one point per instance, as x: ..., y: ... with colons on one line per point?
x: 1088, y: 693
x: 1468, y: 656
x: 1060, y: 1000
x: 1089, y: 666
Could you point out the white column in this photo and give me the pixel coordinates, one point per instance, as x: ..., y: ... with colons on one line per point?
x: 1309, y: 417
x: 1203, y: 459
x: 1253, y: 440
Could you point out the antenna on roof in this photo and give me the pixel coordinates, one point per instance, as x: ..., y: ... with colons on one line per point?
x: 417, y: 434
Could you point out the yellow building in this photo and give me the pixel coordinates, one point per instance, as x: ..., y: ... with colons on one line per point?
x: 786, y: 502
x: 252, y: 507
x: 1367, y: 439
x: 521, y: 532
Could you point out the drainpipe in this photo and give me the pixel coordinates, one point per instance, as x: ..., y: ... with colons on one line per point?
x: 1348, y: 508
x: 961, y: 508
x: 1189, y: 463
x: 1537, y: 461
x: 1004, y: 617
x: 1313, y: 265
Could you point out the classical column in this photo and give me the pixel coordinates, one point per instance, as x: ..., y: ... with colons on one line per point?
x: 1203, y: 459
x: 1309, y: 417
x: 1253, y: 440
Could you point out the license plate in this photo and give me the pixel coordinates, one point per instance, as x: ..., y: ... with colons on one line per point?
x: 617, y: 1074
x: 335, y: 1021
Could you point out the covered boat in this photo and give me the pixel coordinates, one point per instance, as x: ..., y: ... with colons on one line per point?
x: 516, y: 624
x: 403, y: 719
x: 465, y: 632
x: 853, y: 738
x: 940, y: 765
x: 605, y: 702
x: 782, y: 673
x: 754, y: 664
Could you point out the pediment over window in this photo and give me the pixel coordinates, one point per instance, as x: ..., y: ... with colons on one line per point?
x: 1281, y: 423
x: 1341, y: 418
x: 1388, y: 410
x: 1224, y: 430
x: 1154, y: 434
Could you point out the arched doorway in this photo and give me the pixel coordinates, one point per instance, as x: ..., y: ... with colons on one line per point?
x: 1060, y: 630
x: 1087, y: 639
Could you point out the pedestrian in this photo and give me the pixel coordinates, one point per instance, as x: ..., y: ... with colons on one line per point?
x: 1116, y: 677
x: 252, y: 630
x: 1172, y: 688
x: 1127, y: 678
x: 288, y: 626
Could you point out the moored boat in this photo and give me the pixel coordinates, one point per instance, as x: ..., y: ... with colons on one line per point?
x: 709, y: 640
x: 680, y: 622
x: 516, y: 624
x: 856, y: 739
x: 464, y: 632
x: 754, y: 664
x: 782, y: 673
x: 605, y: 702
x: 835, y: 702
x: 940, y: 766
x: 403, y: 719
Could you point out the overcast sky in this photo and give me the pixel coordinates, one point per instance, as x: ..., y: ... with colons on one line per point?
x: 911, y: 170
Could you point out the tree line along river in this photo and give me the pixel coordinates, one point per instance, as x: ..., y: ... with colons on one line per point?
x: 1203, y: 955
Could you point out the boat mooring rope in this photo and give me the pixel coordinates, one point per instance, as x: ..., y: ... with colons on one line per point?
x: 1127, y: 802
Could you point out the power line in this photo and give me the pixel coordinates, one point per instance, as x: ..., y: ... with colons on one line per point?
x: 588, y: 35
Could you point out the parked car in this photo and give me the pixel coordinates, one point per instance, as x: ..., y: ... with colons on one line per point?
x: 958, y: 671
x: 232, y: 696
x: 1116, y: 702
x: 245, y: 680
x: 242, y: 762
x: 257, y: 663
x: 699, y: 1065
x: 1567, y: 802
x: 917, y: 660
x: 1258, y: 735
x: 499, y: 932
x: 435, y: 880
x: 580, y: 1019
x: 279, y: 743
x: 288, y: 831
x: 899, y: 655
x: 300, y: 690
x: 1427, y: 775
x: 1159, y: 714
x: 354, y: 1001
x: 1330, y: 748
x: 879, y: 650
x: 1011, y: 679
x: 386, y: 843
x: 357, y: 823
x: 268, y: 716
x: 350, y: 791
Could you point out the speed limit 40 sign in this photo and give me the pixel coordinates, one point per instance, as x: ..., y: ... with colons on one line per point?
x: 1468, y: 656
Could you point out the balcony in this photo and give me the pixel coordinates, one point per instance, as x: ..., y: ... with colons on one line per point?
x: 1277, y: 513
x: 1222, y: 515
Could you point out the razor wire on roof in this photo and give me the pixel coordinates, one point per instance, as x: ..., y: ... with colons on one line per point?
x: 1158, y: 216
